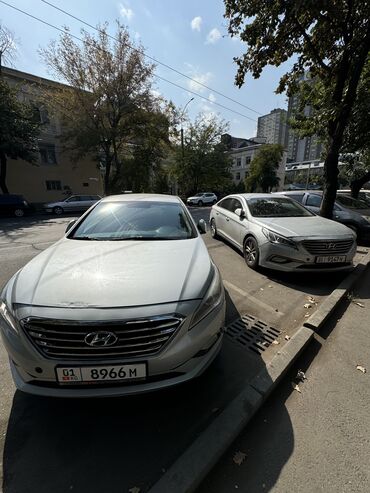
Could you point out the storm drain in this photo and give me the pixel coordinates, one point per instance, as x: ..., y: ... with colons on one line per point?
x: 252, y: 334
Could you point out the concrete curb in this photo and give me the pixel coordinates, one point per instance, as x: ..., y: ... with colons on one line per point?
x: 318, y: 318
x: 185, y: 475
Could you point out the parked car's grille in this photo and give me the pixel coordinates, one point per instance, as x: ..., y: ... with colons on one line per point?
x: 130, y: 338
x: 328, y: 247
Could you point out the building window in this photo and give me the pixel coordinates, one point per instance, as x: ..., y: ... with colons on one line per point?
x: 47, y: 153
x: 247, y: 159
x: 53, y: 185
x: 237, y: 176
x: 238, y: 161
x: 85, y: 184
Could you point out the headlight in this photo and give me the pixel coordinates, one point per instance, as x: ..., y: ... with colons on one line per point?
x: 278, y: 239
x: 7, y: 315
x: 211, y: 300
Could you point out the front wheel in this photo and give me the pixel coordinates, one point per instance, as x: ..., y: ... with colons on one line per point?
x: 200, y: 203
x: 58, y: 211
x: 214, y: 230
x: 19, y: 212
x: 251, y: 252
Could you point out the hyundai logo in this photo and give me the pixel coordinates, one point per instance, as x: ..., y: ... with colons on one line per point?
x: 330, y: 246
x: 101, y: 339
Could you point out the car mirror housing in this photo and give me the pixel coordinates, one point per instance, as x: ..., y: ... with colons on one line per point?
x: 70, y: 224
x: 240, y: 212
x: 202, y: 226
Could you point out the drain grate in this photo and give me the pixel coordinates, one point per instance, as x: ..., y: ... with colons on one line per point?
x: 252, y: 334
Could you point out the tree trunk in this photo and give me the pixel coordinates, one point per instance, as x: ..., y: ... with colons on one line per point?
x: 356, y: 185
x: 331, y: 183
x: 107, y: 176
x: 3, y: 162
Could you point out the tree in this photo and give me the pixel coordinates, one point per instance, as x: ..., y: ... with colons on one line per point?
x: 18, y: 131
x: 263, y: 169
x: 109, y: 100
x: 329, y: 41
x: 205, y: 164
x: 7, y: 46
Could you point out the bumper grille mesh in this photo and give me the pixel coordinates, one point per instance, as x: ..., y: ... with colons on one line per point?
x: 328, y: 247
x: 133, y: 338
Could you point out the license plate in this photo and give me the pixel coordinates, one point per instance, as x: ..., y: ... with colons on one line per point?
x: 101, y: 373
x: 332, y: 259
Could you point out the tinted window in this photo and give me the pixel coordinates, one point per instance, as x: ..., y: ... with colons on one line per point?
x: 136, y: 220
x: 209, y: 194
x: 235, y: 204
x: 276, y: 207
x: 351, y: 203
x: 296, y: 196
x: 314, y: 200
x: 225, y: 204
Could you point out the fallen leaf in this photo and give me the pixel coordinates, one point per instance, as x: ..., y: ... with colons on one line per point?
x: 239, y: 458
x: 270, y: 286
x: 361, y: 368
x: 307, y: 305
x: 261, y: 289
x: 296, y: 387
x: 275, y: 342
x: 307, y: 315
x: 311, y: 299
x: 287, y: 338
x: 135, y: 489
x: 359, y: 304
x: 301, y: 375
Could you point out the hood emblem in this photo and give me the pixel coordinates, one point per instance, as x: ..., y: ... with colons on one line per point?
x: 330, y: 246
x: 101, y: 339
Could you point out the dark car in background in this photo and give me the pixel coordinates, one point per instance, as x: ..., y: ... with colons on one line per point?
x: 13, y: 205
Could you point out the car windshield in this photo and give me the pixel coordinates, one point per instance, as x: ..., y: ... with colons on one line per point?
x: 198, y: 194
x: 276, y: 207
x: 136, y: 220
x: 351, y: 203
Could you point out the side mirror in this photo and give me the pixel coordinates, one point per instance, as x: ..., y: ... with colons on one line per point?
x: 240, y: 212
x: 70, y: 224
x: 202, y: 226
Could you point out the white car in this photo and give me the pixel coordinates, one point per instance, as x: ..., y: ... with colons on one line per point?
x: 74, y: 203
x: 203, y: 198
x: 279, y: 233
x: 128, y: 301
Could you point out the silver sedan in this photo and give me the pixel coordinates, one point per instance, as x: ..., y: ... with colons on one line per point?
x: 276, y: 232
x: 127, y: 301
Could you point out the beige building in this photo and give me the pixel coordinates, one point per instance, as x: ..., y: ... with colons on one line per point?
x: 55, y: 175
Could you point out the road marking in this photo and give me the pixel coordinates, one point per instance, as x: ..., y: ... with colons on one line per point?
x: 258, y: 302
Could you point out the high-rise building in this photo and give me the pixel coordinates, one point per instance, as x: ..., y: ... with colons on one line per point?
x: 273, y: 127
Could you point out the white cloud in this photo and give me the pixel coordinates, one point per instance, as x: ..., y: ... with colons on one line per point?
x: 212, y: 97
x: 196, y: 23
x: 126, y: 11
x: 213, y: 36
x: 137, y: 36
x: 197, y: 76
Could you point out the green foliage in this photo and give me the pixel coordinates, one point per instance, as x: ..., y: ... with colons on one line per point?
x: 205, y: 164
x: 329, y: 43
x: 18, y: 131
x: 263, y: 169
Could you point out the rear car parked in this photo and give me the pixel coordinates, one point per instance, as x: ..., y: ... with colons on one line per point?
x: 74, y: 203
x: 202, y: 198
x: 353, y: 213
x: 14, y: 205
x: 276, y: 232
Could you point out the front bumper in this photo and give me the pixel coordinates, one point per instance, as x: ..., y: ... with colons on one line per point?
x: 287, y: 259
x: 187, y: 355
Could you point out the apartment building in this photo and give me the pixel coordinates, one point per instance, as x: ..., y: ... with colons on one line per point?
x: 273, y: 127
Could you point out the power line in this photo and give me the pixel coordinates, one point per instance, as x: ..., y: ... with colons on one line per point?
x: 152, y: 58
x: 155, y: 75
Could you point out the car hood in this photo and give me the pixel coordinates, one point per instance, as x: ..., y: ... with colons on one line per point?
x: 82, y: 274
x: 305, y: 226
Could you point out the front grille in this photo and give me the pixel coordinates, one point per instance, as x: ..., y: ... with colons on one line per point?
x: 134, y: 338
x: 328, y: 247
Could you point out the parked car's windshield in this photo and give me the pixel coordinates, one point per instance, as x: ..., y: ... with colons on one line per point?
x: 351, y: 203
x: 276, y: 207
x: 136, y: 220
x: 198, y: 194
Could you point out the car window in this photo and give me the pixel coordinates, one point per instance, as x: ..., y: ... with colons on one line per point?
x: 73, y: 198
x: 314, y: 200
x: 351, y: 203
x: 235, y: 204
x: 209, y: 194
x: 136, y: 220
x: 276, y: 207
x: 296, y: 196
x: 225, y: 204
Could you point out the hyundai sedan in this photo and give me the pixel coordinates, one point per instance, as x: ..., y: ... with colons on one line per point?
x: 127, y: 301
x: 279, y: 233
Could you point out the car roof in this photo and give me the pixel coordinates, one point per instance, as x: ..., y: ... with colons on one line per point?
x: 255, y: 195
x: 130, y: 197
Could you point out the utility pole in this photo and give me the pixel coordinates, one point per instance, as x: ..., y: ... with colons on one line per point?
x: 182, y: 130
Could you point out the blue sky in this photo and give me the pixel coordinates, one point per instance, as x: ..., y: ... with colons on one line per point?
x: 190, y: 36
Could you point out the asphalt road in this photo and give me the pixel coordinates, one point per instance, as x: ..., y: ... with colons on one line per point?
x: 114, y: 445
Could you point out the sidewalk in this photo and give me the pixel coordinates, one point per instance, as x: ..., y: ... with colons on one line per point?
x: 317, y: 440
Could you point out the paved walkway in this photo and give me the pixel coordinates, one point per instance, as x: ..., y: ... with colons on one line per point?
x: 317, y: 440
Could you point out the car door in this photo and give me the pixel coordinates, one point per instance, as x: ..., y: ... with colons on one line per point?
x: 220, y: 215
x: 235, y: 225
x: 72, y: 204
x: 312, y: 202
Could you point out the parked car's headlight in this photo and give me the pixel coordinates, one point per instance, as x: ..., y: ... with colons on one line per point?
x: 281, y: 240
x: 7, y: 315
x: 211, y: 300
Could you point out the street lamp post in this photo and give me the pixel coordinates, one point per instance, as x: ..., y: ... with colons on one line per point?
x: 182, y: 130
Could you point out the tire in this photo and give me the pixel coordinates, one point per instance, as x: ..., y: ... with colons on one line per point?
x: 251, y: 252
x: 214, y: 230
x: 200, y: 203
x: 19, y: 212
x: 58, y: 211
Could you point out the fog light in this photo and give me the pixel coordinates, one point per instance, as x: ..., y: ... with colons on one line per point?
x: 279, y: 260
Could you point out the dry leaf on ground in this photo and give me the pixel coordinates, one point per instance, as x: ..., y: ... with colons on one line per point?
x: 307, y: 305
x: 239, y: 458
x: 296, y: 387
x: 301, y: 375
x: 361, y: 368
x: 287, y: 338
x: 359, y: 304
x: 275, y: 342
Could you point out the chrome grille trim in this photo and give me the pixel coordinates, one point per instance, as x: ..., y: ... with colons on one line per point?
x: 328, y: 247
x: 66, y: 339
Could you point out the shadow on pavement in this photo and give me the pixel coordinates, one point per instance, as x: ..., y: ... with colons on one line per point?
x: 112, y: 445
x: 10, y: 227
